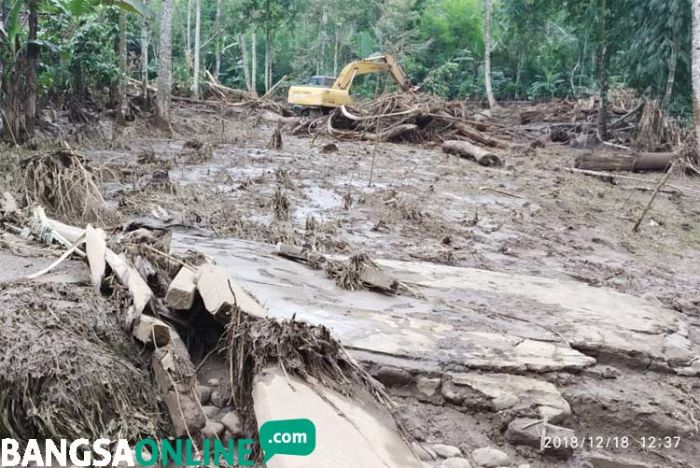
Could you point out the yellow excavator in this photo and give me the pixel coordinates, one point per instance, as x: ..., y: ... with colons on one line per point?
x: 327, y: 92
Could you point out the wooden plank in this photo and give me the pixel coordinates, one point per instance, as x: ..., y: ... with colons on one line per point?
x: 140, y: 293
x: 96, y: 248
x: 181, y: 292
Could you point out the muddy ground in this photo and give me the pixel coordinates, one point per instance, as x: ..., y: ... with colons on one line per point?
x: 531, y: 218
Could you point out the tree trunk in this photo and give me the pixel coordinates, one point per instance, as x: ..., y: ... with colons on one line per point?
x: 197, y: 34
x: 335, y: 54
x: 244, y: 59
x: 254, y: 64
x: 602, y: 73
x: 695, y: 59
x: 268, y: 78
x: 144, y: 60
x: 165, y: 52
x: 188, y: 40
x: 121, y: 112
x: 217, y: 44
x: 672, y: 64
x: 488, y: 7
x: 32, y: 56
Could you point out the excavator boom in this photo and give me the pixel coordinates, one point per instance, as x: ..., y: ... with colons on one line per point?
x: 339, y: 93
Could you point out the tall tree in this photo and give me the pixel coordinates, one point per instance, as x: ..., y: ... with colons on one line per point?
x: 696, y: 70
x: 165, y: 52
x: 254, y: 63
x: 121, y: 101
x: 244, y: 61
x: 488, y: 10
x: 144, y: 59
x: 217, y: 44
x: 602, y: 61
x: 32, y: 57
x: 197, y: 46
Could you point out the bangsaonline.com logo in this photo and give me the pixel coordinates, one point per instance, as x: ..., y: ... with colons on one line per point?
x: 282, y: 437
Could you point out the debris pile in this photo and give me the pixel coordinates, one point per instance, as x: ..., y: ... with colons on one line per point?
x: 162, y: 299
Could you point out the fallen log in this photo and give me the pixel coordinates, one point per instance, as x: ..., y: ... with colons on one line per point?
x: 479, y: 137
x: 467, y: 150
x: 639, y: 162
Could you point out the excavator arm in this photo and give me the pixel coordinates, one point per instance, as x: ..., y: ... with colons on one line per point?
x: 381, y: 63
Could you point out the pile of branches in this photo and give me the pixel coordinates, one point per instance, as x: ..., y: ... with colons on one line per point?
x: 67, y: 184
x: 305, y: 351
x: 414, y: 118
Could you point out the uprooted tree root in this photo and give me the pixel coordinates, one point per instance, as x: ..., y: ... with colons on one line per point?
x: 299, y: 349
x: 66, y: 183
x: 68, y: 371
x: 348, y: 274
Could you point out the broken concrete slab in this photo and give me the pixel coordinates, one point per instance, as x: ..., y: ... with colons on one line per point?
x: 218, y: 289
x: 340, y: 423
x: 547, y: 438
x: 506, y: 392
x: 182, y: 289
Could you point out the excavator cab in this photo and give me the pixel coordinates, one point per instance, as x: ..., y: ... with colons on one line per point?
x: 322, y: 93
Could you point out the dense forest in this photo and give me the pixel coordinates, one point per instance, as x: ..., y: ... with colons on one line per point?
x: 79, y: 53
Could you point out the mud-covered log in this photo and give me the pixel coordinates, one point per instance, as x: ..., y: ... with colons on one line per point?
x: 465, y: 149
x: 479, y: 137
x: 639, y: 162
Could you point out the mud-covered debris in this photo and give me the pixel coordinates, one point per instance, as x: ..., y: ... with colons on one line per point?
x: 280, y: 205
x: 195, y: 152
x: 360, y: 272
x: 302, y: 350
x: 276, y: 139
x: 67, y: 369
x: 68, y: 185
x: 468, y: 150
x: 177, y: 382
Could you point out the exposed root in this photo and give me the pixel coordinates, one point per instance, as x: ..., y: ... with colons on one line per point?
x: 348, y: 274
x: 64, y: 182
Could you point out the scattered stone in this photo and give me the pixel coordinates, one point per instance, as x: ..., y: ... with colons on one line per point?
x: 528, y: 431
x: 424, y: 452
x: 456, y: 462
x: 490, y: 457
x: 204, y: 394
x: 505, y: 391
x: 607, y: 461
x: 210, y: 411
x: 447, y: 451
x: 214, y: 382
x: 219, y: 397
x: 427, y: 387
x: 232, y: 422
x: 212, y: 430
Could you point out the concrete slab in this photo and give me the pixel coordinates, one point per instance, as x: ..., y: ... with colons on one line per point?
x: 466, y: 318
x: 350, y: 433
